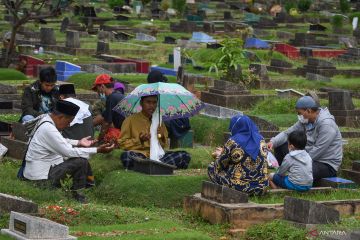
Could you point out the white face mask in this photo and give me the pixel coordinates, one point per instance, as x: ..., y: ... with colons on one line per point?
x: 102, y: 96
x: 302, y: 119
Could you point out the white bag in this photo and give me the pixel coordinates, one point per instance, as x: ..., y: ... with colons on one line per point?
x: 156, y: 151
x: 272, y: 162
x: 3, y: 151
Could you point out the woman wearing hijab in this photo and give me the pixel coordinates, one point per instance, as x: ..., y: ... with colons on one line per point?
x: 241, y: 163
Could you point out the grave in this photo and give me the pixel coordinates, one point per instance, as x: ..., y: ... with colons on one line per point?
x: 121, y: 17
x: 317, y: 77
x: 5, y: 129
x: 145, y: 37
x: 342, y: 107
x: 152, y: 167
x: 7, y: 89
x: 5, y: 104
x: 317, y: 27
x: 284, y: 35
x: 184, y: 26
x: 65, y: 69
x: 64, y: 24
x: 142, y: 66
x: 26, y: 227
x: 351, y: 55
x: 305, y: 213
x: 165, y: 71
x: 186, y: 141
x: 31, y: 64
x: 169, y: 40
x: 222, y: 194
x: 72, y: 39
x: 303, y: 39
x: 288, y: 50
x: 287, y: 93
x: 16, y: 148
x: 318, y: 66
x: 201, y: 37
x: 47, y: 36
x: 354, y: 172
x: 209, y: 27
x: 102, y: 47
x: 123, y: 36
x: 227, y: 15
x: 281, y: 66
x: 259, y: 70
x: 10, y: 203
x: 256, y: 43
x: 336, y: 182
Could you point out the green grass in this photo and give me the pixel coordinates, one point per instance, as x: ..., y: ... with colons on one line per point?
x: 274, y: 105
x: 11, y: 74
x: 86, y: 80
x: 335, y: 194
x: 9, y: 117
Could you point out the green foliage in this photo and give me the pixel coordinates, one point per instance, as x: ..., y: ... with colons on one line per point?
x: 344, y: 6
x: 9, y: 118
x: 209, y: 131
x: 230, y: 59
x: 276, y: 229
x: 337, y: 21
x: 304, y: 5
x: 11, y: 74
x: 179, y: 5
x: 144, y: 2
x: 289, y: 5
x: 354, y: 14
x: 165, y: 4
x: 66, y: 183
x: 274, y: 106
x: 115, y: 3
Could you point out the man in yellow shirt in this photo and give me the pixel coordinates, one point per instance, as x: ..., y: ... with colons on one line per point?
x: 135, y: 137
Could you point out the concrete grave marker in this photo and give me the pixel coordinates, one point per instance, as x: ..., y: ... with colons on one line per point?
x: 72, y: 39
x: 10, y: 203
x: 307, y: 212
x: 177, y: 58
x: 47, y: 36
x: 27, y: 227
x: 145, y: 37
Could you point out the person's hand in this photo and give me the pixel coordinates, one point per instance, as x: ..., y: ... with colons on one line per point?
x: 144, y: 137
x: 270, y: 145
x: 86, y: 142
x: 217, y: 152
x: 105, y: 148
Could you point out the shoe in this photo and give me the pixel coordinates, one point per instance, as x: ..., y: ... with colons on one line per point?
x: 79, y: 197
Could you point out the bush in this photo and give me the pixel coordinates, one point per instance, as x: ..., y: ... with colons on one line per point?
x: 115, y: 3
x: 304, y: 5
x: 11, y: 74
x: 354, y: 14
x: 179, y: 5
x: 337, y: 21
x: 289, y: 5
x: 344, y: 6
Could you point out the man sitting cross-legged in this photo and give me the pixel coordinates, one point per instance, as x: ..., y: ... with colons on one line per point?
x: 52, y: 157
x: 135, y: 137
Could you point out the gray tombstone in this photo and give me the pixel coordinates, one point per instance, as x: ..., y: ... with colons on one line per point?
x: 209, y: 27
x: 340, y: 100
x: 23, y: 226
x: 47, y: 36
x: 102, y: 47
x: 317, y: 77
x: 260, y: 70
x: 64, y: 24
x: 320, y: 63
x: 227, y: 15
x: 10, y: 203
x: 280, y: 63
x: 7, y: 89
x: 72, y: 39
x: 308, y: 212
x: 222, y: 194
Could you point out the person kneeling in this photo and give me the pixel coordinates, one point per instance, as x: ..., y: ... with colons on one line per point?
x: 51, y: 157
x: 135, y: 137
x: 297, y: 163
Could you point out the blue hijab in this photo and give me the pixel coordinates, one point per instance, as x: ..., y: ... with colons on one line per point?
x: 245, y: 133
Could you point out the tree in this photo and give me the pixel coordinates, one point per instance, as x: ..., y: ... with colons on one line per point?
x: 22, y: 12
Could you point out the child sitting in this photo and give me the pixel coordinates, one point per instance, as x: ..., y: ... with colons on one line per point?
x: 297, y: 164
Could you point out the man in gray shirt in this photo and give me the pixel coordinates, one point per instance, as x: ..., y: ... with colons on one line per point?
x: 324, y: 141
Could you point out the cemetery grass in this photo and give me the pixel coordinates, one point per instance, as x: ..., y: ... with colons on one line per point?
x: 11, y: 74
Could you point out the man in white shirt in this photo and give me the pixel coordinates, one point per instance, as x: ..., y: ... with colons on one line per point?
x: 52, y: 157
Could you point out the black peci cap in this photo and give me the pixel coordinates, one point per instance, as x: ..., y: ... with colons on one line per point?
x: 66, y: 89
x: 67, y: 108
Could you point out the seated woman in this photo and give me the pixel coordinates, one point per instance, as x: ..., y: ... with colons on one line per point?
x: 241, y: 163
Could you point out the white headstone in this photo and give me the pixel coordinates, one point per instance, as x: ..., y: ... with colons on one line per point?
x: 190, y: 1
x: 138, y: 9
x: 177, y: 58
x: 355, y: 22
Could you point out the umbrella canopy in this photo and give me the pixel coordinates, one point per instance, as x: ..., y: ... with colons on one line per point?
x: 174, y: 101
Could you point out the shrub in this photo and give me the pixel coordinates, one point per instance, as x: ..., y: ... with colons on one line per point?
x: 179, y: 5
x: 289, y: 5
x: 165, y: 4
x: 344, y: 6
x: 304, y: 5
x: 114, y: 3
x: 354, y: 14
x: 337, y: 21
